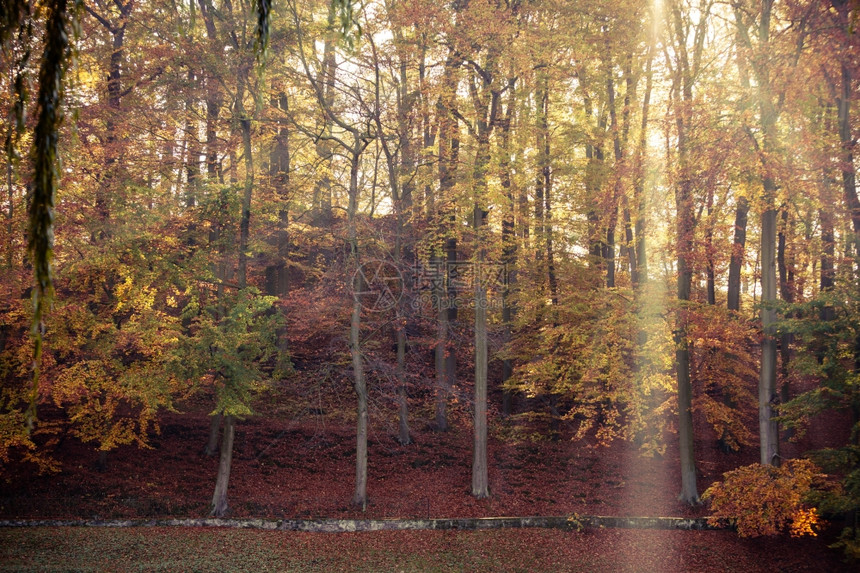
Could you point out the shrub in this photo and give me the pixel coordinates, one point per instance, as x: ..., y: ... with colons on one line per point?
x: 766, y: 500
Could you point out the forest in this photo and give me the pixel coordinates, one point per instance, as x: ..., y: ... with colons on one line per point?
x: 557, y: 225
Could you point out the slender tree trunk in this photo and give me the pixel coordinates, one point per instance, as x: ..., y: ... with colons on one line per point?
x: 593, y: 183
x: 213, y: 110
x: 767, y: 397
x: 684, y: 201
x: 446, y: 357
x: 540, y: 178
x: 10, y: 216
x: 428, y: 130
x: 618, y: 153
x: 639, y: 171
x: 322, y: 197
x: 546, y: 172
x: 277, y: 281
x: 112, y: 143
x: 509, y: 242
x: 192, y: 156
x: 359, y: 382
x: 360, y: 385
x: 480, y: 485
x: 486, y: 103
x: 828, y: 251
x: 709, y: 250
x: 785, y: 268
x: 245, y: 221
x: 442, y: 388
x: 689, y: 492
x: 403, y: 406
x: 219, y: 506
x: 737, y: 258
x: 849, y: 185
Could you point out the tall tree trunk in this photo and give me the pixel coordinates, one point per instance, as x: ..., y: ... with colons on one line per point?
x: 618, y: 154
x: 112, y: 143
x: 360, y: 384
x: 192, y: 156
x: 540, y: 178
x: 639, y: 169
x: 737, y: 257
x: 546, y: 172
x: 428, y: 130
x: 442, y: 389
x: 767, y: 396
x: 480, y: 484
x: 847, y: 11
x: 10, y: 216
x: 402, y: 403
x: 689, y: 492
x: 849, y: 184
x: 448, y: 142
x: 213, y: 110
x: 709, y: 250
x: 486, y: 104
x: 785, y: 268
x: 828, y: 250
x: 593, y: 183
x: 277, y: 281
x: 509, y: 241
x: 245, y: 221
x: 686, y: 69
x: 322, y: 198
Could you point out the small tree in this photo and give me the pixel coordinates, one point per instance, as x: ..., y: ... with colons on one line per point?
x: 230, y: 351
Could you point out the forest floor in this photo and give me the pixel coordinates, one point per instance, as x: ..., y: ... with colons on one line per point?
x: 303, y: 467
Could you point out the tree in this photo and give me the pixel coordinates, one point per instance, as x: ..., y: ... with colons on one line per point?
x: 686, y: 68
x: 353, y: 140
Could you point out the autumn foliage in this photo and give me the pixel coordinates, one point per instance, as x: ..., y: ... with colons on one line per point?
x: 766, y: 500
x: 663, y: 195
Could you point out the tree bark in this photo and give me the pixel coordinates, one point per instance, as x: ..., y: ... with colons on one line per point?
x: 785, y: 268
x: 639, y: 164
x: 360, y: 496
x: 767, y: 397
x: 359, y: 383
x: 593, y: 182
x: 849, y: 185
x: 509, y: 242
x: 245, y: 220
x: 402, y: 403
x: 486, y: 102
x: 277, y: 277
x: 710, y: 272
x: 214, y: 431
x: 442, y: 388
x: 737, y: 258
x: 219, y: 505
x: 480, y: 484
x: 686, y: 68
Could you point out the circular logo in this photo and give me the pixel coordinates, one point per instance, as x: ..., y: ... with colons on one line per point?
x: 377, y: 285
